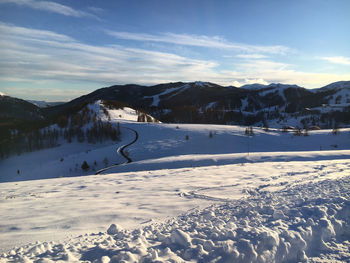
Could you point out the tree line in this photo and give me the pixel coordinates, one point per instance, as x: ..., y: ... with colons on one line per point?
x: 83, y: 126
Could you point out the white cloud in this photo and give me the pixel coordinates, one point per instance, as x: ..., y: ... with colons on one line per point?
x: 199, y: 41
x: 50, y: 7
x: 38, y: 56
x: 258, y: 65
x: 338, y: 60
x: 29, y: 33
x: 251, y: 56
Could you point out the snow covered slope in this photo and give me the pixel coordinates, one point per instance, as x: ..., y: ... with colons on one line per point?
x: 192, y: 193
x: 169, y: 140
x: 290, y: 212
x: 66, y: 159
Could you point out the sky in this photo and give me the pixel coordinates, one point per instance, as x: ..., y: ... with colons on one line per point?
x: 59, y: 50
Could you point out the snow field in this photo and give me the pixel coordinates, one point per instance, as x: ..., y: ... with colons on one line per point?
x: 304, y: 223
x: 272, y: 197
x: 163, y: 140
x: 52, y: 209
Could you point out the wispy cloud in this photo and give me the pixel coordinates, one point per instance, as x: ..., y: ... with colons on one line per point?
x: 50, y: 6
x: 23, y: 33
x: 37, y: 54
x: 251, y: 56
x: 44, y: 57
x: 198, y: 41
x: 338, y: 60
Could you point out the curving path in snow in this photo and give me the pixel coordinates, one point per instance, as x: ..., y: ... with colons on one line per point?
x: 121, y: 151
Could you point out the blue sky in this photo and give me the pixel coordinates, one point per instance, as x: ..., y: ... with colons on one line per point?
x: 58, y: 50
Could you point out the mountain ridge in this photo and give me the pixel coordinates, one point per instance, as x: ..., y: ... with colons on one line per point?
x: 274, y: 105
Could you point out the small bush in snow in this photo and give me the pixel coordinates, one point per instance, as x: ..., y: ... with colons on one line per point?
x: 210, y: 135
x: 187, y: 137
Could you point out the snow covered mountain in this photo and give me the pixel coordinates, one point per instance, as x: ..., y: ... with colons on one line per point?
x: 337, y: 85
x: 274, y: 105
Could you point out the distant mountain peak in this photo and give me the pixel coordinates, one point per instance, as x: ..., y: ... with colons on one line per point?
x: 280, y: 85
x: 253, y: 86
x: 337, y: 85
x: 257, y: 86
x: 2, y: 94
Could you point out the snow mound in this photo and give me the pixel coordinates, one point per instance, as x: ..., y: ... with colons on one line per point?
x: 304, y: 223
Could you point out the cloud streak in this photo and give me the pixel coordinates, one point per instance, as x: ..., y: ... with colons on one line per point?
x: 338, y: 60
x: 199, y: 41
x: 50, y: 6
x: 38, y: 54
x: 42, y: 57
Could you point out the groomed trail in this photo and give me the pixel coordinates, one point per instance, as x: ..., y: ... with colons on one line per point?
x: 121, y: 151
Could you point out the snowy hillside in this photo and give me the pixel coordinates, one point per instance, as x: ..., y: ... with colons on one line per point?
x: 274, y: 105
x: 75, y: 145
x: 191, y: 193
x: 337, y: 85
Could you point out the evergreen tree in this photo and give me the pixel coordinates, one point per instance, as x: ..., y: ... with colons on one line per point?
x: 85, y: 166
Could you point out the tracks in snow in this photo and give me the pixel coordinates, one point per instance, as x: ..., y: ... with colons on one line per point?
x: 121, y: 151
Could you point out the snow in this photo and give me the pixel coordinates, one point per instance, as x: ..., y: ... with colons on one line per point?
x: 244, y: 103
x: 156, y: 98
x: 280, y: 88
x: 304, y: 219
x: 336, y: 85
x: 272, y: 197
x: 119, y: 115
x: 343, y: 94
x: 211, y: 105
